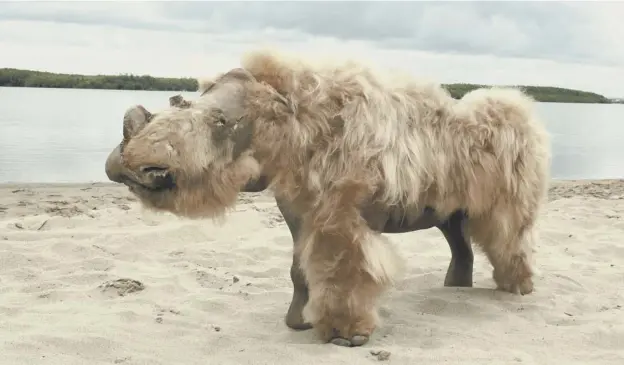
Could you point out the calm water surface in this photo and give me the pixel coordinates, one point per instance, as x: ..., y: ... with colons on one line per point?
x: 65, y: 135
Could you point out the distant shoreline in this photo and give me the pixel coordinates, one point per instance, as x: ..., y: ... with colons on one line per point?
x: 10, y: 77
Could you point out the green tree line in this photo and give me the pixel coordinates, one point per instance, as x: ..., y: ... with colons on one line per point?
x: 26, y: 78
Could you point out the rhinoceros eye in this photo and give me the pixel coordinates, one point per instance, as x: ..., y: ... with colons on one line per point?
x: 220, y: 121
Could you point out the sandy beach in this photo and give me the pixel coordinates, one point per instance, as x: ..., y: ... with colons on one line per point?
x: 88, y: 277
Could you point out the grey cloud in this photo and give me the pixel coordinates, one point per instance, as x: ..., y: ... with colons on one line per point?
x: 128, y: 15
x: 551, y: 30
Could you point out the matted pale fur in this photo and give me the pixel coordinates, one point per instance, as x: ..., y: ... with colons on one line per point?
x: 394, y: 122
x: 380, y: 259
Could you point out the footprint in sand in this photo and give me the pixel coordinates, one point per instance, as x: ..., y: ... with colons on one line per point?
x: 162, y: 311
x: 121, y: 287
x: 274, y: 219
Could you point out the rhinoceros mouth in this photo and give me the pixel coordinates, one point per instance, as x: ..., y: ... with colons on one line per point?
x: 163, y: 181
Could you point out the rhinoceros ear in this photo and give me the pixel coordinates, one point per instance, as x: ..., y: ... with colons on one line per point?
x: 176, y: 100
x: 179, y: 102
x: 135, y: 119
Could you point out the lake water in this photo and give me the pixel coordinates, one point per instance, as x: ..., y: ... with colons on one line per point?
x: 65, y: 135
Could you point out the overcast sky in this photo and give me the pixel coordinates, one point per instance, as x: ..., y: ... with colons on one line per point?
x: 568, y: 44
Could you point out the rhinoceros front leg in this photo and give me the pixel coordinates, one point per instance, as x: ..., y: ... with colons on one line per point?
x: 459, y: 272
x: 294, y: 317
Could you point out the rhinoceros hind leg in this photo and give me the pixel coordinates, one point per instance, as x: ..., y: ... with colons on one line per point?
x: 459, y: 272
